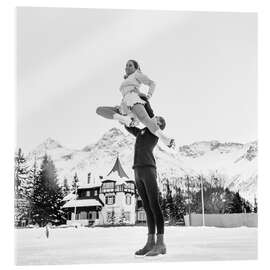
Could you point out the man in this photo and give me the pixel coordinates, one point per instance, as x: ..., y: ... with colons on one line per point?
x: 146, y: 182
x: 146, y: 178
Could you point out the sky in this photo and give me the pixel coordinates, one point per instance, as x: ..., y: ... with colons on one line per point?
x: 70, y: 61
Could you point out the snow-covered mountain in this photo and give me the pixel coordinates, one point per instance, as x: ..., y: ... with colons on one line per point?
x: 236, y: 162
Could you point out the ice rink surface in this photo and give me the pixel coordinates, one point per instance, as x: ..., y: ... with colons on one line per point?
x: 118, y: 244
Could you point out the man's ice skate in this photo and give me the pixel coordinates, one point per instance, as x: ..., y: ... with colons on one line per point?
x: 159, y: 247
x: 148, y: 246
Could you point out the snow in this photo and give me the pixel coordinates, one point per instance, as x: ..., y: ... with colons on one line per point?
x: 81, y: 203
x: 118, y: 244
x: 115, y: 176
x: 70, y: 196
x: 199, y: 157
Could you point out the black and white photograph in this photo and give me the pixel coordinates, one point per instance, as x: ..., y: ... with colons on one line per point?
x: 136, y: 136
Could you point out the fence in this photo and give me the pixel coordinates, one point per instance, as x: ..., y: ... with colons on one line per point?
x: 223, y: 220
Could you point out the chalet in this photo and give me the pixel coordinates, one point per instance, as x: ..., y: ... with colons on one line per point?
x: 113, y: 201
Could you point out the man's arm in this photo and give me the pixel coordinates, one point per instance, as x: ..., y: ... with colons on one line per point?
x: 133, y: 130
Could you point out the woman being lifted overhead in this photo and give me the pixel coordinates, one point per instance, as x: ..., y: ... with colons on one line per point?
x: 132, y: 107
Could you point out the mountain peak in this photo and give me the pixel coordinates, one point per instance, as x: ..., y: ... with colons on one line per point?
x: 112, y: 133
x: 49, y: 144
x: 115, y: 131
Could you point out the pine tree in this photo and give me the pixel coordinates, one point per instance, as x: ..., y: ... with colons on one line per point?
x: 20, y: 173
x: 169, y: 202
x: 47, y: 196
x: 214, y: 197
x: 228, y: 199
x: 20, y: 177
x: 237, y: 203
x: 246, y: 206
x: 179, y: 205
x: 255, y: 205
x: 29, y: 186
x: 163, y: 205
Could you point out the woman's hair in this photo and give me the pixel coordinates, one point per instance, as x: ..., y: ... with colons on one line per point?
x: 136, y: 65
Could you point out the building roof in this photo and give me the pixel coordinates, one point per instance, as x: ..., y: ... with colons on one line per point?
x: 117, y: 171
x: 82, y: 203
x: 70, y: 196
x: 86, y: 186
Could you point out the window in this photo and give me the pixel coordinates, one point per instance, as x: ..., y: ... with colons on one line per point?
x: 83, y: 215
x: 110, y: 199
x: 108, y: 185
x: 119, y: 188
x: 88, y: 193
x: 130, y: 185
x: 141, y: 216
x: 91, y: 215
x: 95, y: 193
x: 128, y: 199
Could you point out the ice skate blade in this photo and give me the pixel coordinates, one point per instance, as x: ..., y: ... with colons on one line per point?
x: 138, y: 256
x: 163, y: 252
x: 156, y: 257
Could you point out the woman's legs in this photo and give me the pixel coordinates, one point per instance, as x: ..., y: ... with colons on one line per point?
x: 113, y: 113
x: 139, y: 110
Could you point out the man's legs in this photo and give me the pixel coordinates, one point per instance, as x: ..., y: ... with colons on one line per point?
x: 149, y: 215
x: 142, y: 192
x: 152, y: 191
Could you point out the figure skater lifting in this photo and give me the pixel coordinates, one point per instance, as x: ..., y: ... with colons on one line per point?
x: 132, y: 109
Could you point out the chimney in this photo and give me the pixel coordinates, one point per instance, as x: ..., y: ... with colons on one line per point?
x: 88, y: 178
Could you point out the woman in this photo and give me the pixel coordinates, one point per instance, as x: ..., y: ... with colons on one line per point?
x: 132, y: 106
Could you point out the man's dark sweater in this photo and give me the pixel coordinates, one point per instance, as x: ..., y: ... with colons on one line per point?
x: 145, y: 142
x: 144, y: 146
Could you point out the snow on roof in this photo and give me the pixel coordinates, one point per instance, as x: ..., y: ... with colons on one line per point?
x: 81, y: 203
x: 88, y: 186
x: 70, y: 196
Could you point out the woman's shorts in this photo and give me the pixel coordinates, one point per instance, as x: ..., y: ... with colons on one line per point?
x: 129, y: 100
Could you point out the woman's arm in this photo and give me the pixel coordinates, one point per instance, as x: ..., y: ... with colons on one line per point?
x: 142, y: 78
